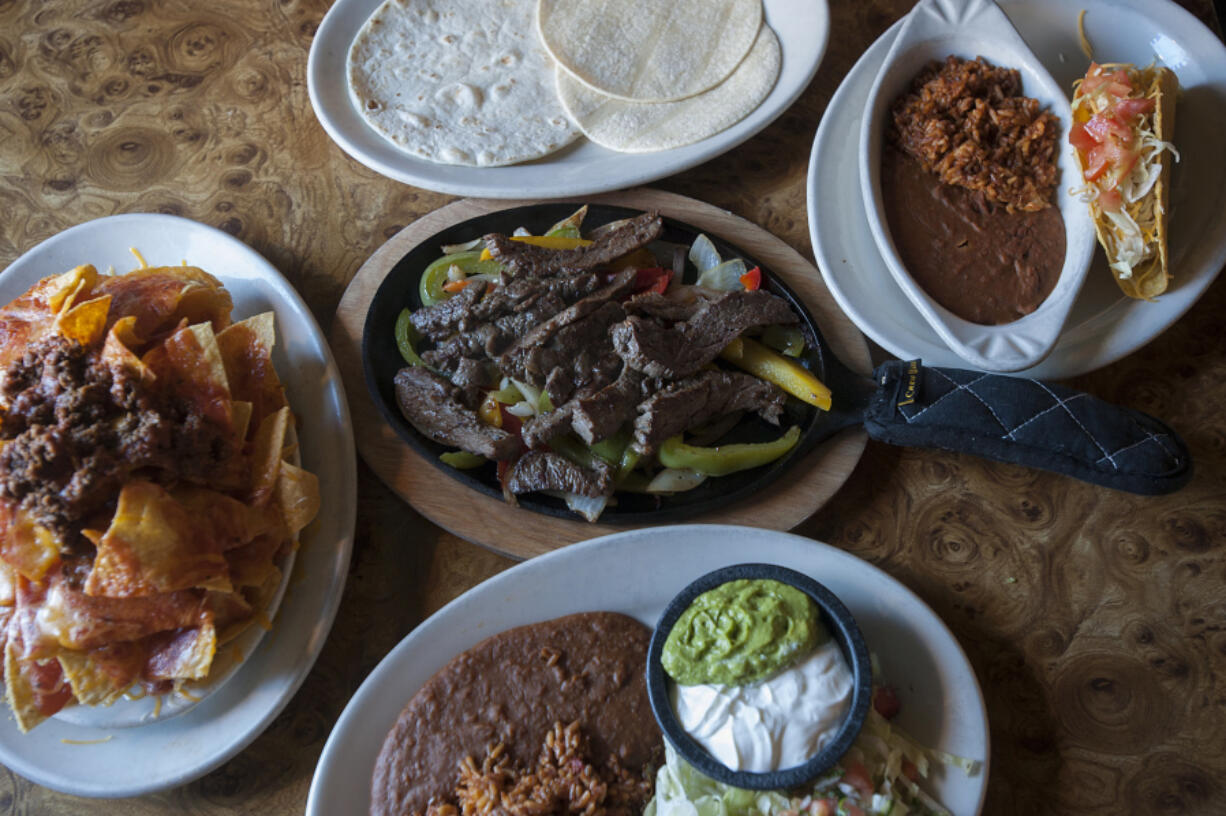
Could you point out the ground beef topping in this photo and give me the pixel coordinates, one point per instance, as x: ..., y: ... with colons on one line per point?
x: 74, y: 430
x: 967, y: 122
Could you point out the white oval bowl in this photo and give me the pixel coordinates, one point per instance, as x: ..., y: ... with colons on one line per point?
x: 934, y: 30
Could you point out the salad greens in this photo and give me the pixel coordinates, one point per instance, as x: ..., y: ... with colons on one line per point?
x: 877, y: 777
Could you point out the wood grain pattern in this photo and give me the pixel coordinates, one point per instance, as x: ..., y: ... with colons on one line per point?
x: 1095, y: 621
x: 520, y: 533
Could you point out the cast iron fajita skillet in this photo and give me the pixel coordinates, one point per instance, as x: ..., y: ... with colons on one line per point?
x: 1003, y: 418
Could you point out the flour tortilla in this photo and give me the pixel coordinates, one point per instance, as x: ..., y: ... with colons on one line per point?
x: 649, y: 50
x: 641, y: 127
x: 458, y: 81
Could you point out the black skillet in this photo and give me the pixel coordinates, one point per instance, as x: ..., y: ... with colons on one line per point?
x: 1003, y: 418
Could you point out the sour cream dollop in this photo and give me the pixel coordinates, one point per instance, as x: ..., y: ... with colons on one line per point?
x: 776, y: 723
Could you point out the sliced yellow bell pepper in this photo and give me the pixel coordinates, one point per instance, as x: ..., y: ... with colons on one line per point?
x: 544, y: 241
x: 789, y: 375
x: 490, y: 411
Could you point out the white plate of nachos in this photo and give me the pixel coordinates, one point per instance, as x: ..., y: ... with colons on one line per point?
x: 580, y: 168
x: 132, y: 748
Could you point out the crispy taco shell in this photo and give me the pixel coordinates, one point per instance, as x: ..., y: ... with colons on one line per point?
x: 1149, y: 278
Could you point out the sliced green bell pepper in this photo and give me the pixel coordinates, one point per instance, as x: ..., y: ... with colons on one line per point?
x: 435, y: 275
x: 406, y: 338
x: 462, y: 460
x: 724, y: 459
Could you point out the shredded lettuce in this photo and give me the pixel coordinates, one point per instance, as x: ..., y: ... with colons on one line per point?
x: 885, y: 751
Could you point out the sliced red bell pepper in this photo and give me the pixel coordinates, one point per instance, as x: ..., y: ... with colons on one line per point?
x: 752, y: 280
x: 652, y: 279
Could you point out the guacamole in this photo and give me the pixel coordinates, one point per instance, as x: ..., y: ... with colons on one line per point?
x: 741, y: 632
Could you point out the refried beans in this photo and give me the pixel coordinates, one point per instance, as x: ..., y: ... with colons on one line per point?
x: 507, y: 694
x: 982, y: 263
x: 968, y: 175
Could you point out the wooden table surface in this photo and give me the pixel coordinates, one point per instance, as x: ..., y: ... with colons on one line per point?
x: 1095, y: 621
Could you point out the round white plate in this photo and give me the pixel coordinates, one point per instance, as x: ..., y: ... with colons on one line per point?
x: 583, y: 168
x: 1104, y: 325
x: 636, y: 573
x: 167, y: 752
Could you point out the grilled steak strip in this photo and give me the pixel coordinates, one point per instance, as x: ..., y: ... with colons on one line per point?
x: 576, y: 339
x: 695, y: 400
x: 544, y: 470
x: 435, y: 407
x: 527, y: 260
x: 540, y: 429
x: 599, y: 416
x: 678, y: 351
x: 653, y: 304
x: 454, y: 314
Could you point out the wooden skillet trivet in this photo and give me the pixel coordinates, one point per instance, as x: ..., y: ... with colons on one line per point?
x: 519, y: 533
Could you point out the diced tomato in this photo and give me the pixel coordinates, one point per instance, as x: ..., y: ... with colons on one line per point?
x: 455, y: 286
x: 909, y: 770
x: 1110, y: 200
x: 1116, y: 84
x: 1102, y: 157
x: 1080, y: 139
x: 752, y: 280
x: 1128, y: 109
x: 1101, y: 128
x: 856, y: 775
x: 852, y: 810
x: 823, y: 807
x: 885, y: 700
x: 652, y: 279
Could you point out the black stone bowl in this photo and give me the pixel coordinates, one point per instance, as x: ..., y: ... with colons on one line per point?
x: 381, y: 360
x: 842, y: 627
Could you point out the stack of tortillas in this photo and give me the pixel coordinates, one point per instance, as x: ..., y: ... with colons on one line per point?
x: 494, y: 82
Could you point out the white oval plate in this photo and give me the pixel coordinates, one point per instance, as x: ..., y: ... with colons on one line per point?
x: 583, y: 168
x: 171, y: 751
x: 1104, y: 325
x: 637, y: 573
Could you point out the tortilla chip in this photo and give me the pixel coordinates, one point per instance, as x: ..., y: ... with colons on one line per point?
x: 22, y: 699
x: 298, y: 496
x: 101, y: 676
x: 240, y: 418
x: 266, y: 453
x: 85, y: 322
x: 63, y: 290
x: 251, y: 564
x: 8, y: 585
x: 160, y: 297
x: 246, y: 348
x: 191, y: 362
x: 118, y: 355
x: 183, y: 655
x: 28, y: 547
x: 152, y: 546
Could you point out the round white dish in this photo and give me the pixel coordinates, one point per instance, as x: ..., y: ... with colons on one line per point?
x: 90, y: 760
x: 975, y: 28
x: 583, y: 168
x: 637, y: 573
x: 1104, y: 325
